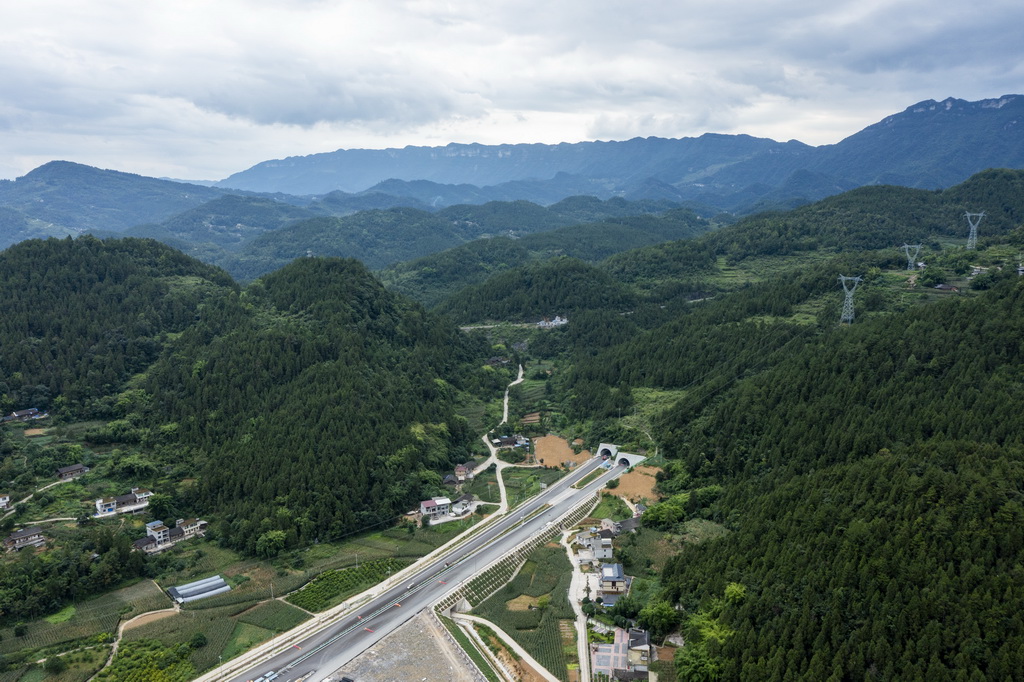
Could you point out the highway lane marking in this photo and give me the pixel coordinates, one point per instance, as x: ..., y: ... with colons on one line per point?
x: 373, y: 615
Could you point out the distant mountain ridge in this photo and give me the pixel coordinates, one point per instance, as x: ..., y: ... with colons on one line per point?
x: 930, y: 145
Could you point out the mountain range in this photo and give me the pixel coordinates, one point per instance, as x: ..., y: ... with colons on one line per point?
x: 930, y: 145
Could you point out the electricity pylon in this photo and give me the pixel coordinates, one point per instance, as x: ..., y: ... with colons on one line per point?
x: 847, y: 315
x: 973, y: 219
x: 911, y: 260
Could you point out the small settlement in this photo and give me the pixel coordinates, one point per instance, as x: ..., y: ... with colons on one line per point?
x: 159, y: 536
x: 629, y: 655
x: 440, y: 509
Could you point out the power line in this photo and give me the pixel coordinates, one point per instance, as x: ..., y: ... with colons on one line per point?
x: 973, y: 219
x: 847, y: 315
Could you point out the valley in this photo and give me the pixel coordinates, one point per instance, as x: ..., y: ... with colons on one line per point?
x: 824, y: 499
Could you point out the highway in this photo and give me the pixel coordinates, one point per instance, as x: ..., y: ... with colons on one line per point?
x: 314, y: 658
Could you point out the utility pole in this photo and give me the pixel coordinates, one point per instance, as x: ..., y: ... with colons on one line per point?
x: 911, y: 260
x: 847, y: 315
x: 973, y: 219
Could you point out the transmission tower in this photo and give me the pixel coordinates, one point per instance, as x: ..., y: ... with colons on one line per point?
x: 847, y: 316
x: 911, y: 260
x: 973, y: 219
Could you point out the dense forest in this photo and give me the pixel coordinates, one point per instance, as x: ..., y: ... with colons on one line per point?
x: 434, y: 278
x: 81, y: 316
x: 333, y: 398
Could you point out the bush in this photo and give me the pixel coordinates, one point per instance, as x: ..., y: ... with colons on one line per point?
x: 55, y: 665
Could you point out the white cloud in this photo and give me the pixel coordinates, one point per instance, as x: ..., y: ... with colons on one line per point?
x: 199, y: 89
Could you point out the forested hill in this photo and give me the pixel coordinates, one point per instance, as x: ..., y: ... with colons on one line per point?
x: 81, y: 316
x: 432, y: 278
x: 312, y: 404
x: 867, y: 479
x: 559, y: 286
x: 330, y: 398
x: 874, y: 480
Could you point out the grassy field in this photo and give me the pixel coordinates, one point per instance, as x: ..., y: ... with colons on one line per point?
x: 645, y: 552
x: 485, y: 486
x: 244, y: 637
x: 611, y: 507
x: 522, y: 483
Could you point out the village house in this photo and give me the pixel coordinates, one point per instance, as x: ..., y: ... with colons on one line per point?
x: 613, y: 579
x: 435, y: 507
x: 597, y: 547
x: 159, y: 537
x: 627, y: 657
x: 463, y: 505
x: 5, y: 501
x: 463, y: 472
x: 73, y: 471
x: 514, y: 441
x: 25, y: 415
x: 551, y: 324
x: 629, y: 525
x: 132, y: 503
x: 639, y: 655
x: 26, y: 537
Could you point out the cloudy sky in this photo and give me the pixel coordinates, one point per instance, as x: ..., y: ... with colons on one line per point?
x: 199, y: 90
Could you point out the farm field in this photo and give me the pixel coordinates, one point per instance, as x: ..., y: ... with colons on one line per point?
x: 638, y: 485
x: 545, y: 577
x: 229, y: 622
x: 554, y: 450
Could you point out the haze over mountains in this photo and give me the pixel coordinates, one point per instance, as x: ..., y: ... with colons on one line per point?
x: 929, y: 145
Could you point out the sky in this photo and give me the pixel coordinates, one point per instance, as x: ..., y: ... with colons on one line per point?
x: 199, y: 90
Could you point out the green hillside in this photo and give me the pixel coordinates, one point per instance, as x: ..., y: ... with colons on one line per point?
x: 226, y: 222
x: 332, y: 398
x: 545, y: 289
x: 431, y: 278
x: 865, y: 482
x: 81, y: 316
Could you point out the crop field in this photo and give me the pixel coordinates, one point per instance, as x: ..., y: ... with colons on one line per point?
x: 88, y: 619
x: 273, y: 615
x: 522, y: 483
x: 330, y: 588
x: 485, y: 486
x: 545, y: 576
x: 217, y: 625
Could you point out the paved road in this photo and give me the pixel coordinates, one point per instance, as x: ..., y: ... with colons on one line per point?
x: 326, y: 651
